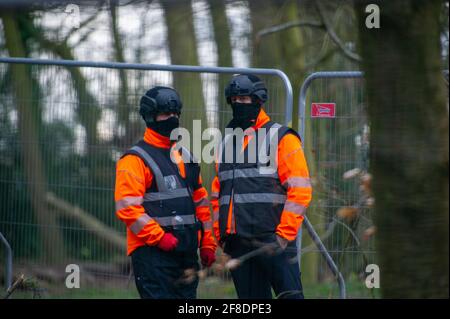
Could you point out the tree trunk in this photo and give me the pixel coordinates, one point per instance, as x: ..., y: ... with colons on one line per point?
x: 123, y: 109
x: 88, y: 111
x: 221, y: 32
x: 293, y: 61
x: 265, y: 13
x: 409, y: 147
x: 29, y: 139
x: 183, y: 50
x: 282, y: 50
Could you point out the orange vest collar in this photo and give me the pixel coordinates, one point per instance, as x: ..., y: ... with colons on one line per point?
x: 262, y: 119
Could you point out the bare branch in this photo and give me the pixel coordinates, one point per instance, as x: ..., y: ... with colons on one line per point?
x: 351, y: 55
x: 133, y: 2
x: 83, y: 37
x: 82, y: 25
x: 288, y: 25
x: 324, y: 25
x: 13, y: 287
x: 321, y: 58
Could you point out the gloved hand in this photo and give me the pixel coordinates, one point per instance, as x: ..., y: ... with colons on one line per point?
x: 208, y: 256
x: 168, y: 242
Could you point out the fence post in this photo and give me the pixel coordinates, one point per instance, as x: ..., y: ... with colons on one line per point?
x: 8, y: 266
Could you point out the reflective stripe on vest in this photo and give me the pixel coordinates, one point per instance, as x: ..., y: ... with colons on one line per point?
x: 224, y: 200
x: 187, y: 156
x: 176, y: 220
x: 243, y: 173
x: 154, y: 167
x: 222, y: 148
x: 169, y: 194
x: 252, y: 198
x: 163, y: 193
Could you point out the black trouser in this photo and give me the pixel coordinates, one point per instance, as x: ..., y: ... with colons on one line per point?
x: 255, y: 277
x: 160, y: 275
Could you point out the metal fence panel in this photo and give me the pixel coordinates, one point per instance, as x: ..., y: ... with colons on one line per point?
x: 59, y: 140
x: 336, y: 149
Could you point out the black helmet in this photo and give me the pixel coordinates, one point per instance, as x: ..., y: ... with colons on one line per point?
x: 158, y: 100
x: 250, y: 85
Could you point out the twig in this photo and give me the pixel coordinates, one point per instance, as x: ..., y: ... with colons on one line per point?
x: 271, y: 248
x: 82, y: 25
x: 288, y: 25
x: 84, y: 37
x: 324, y: 25
x: 191, y: 274
x: 14, y: 286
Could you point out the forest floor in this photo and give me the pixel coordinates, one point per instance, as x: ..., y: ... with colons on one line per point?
x: 209, y: 288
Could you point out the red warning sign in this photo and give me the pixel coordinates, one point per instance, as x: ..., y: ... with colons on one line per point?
x: 323, y: 110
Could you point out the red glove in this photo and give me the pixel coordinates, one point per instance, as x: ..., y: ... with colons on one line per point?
x: 208, y: 256
x: 168, y: 242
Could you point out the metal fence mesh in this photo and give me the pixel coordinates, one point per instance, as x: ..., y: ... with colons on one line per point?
x: 337, y: 154
x: 60, y: 137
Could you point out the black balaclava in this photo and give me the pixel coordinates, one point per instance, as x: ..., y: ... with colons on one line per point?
x: 164, y: 127
x: 245, y: 114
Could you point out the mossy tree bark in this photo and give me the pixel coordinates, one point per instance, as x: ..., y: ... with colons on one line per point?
x: 409, y: 147
x: 28, y: 126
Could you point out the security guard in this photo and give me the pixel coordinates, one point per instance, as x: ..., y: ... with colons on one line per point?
x: 254, y: 207
x: 160, y: 197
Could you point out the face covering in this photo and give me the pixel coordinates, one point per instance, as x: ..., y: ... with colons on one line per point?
x: 165, y: 127
x: 245, y: 114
